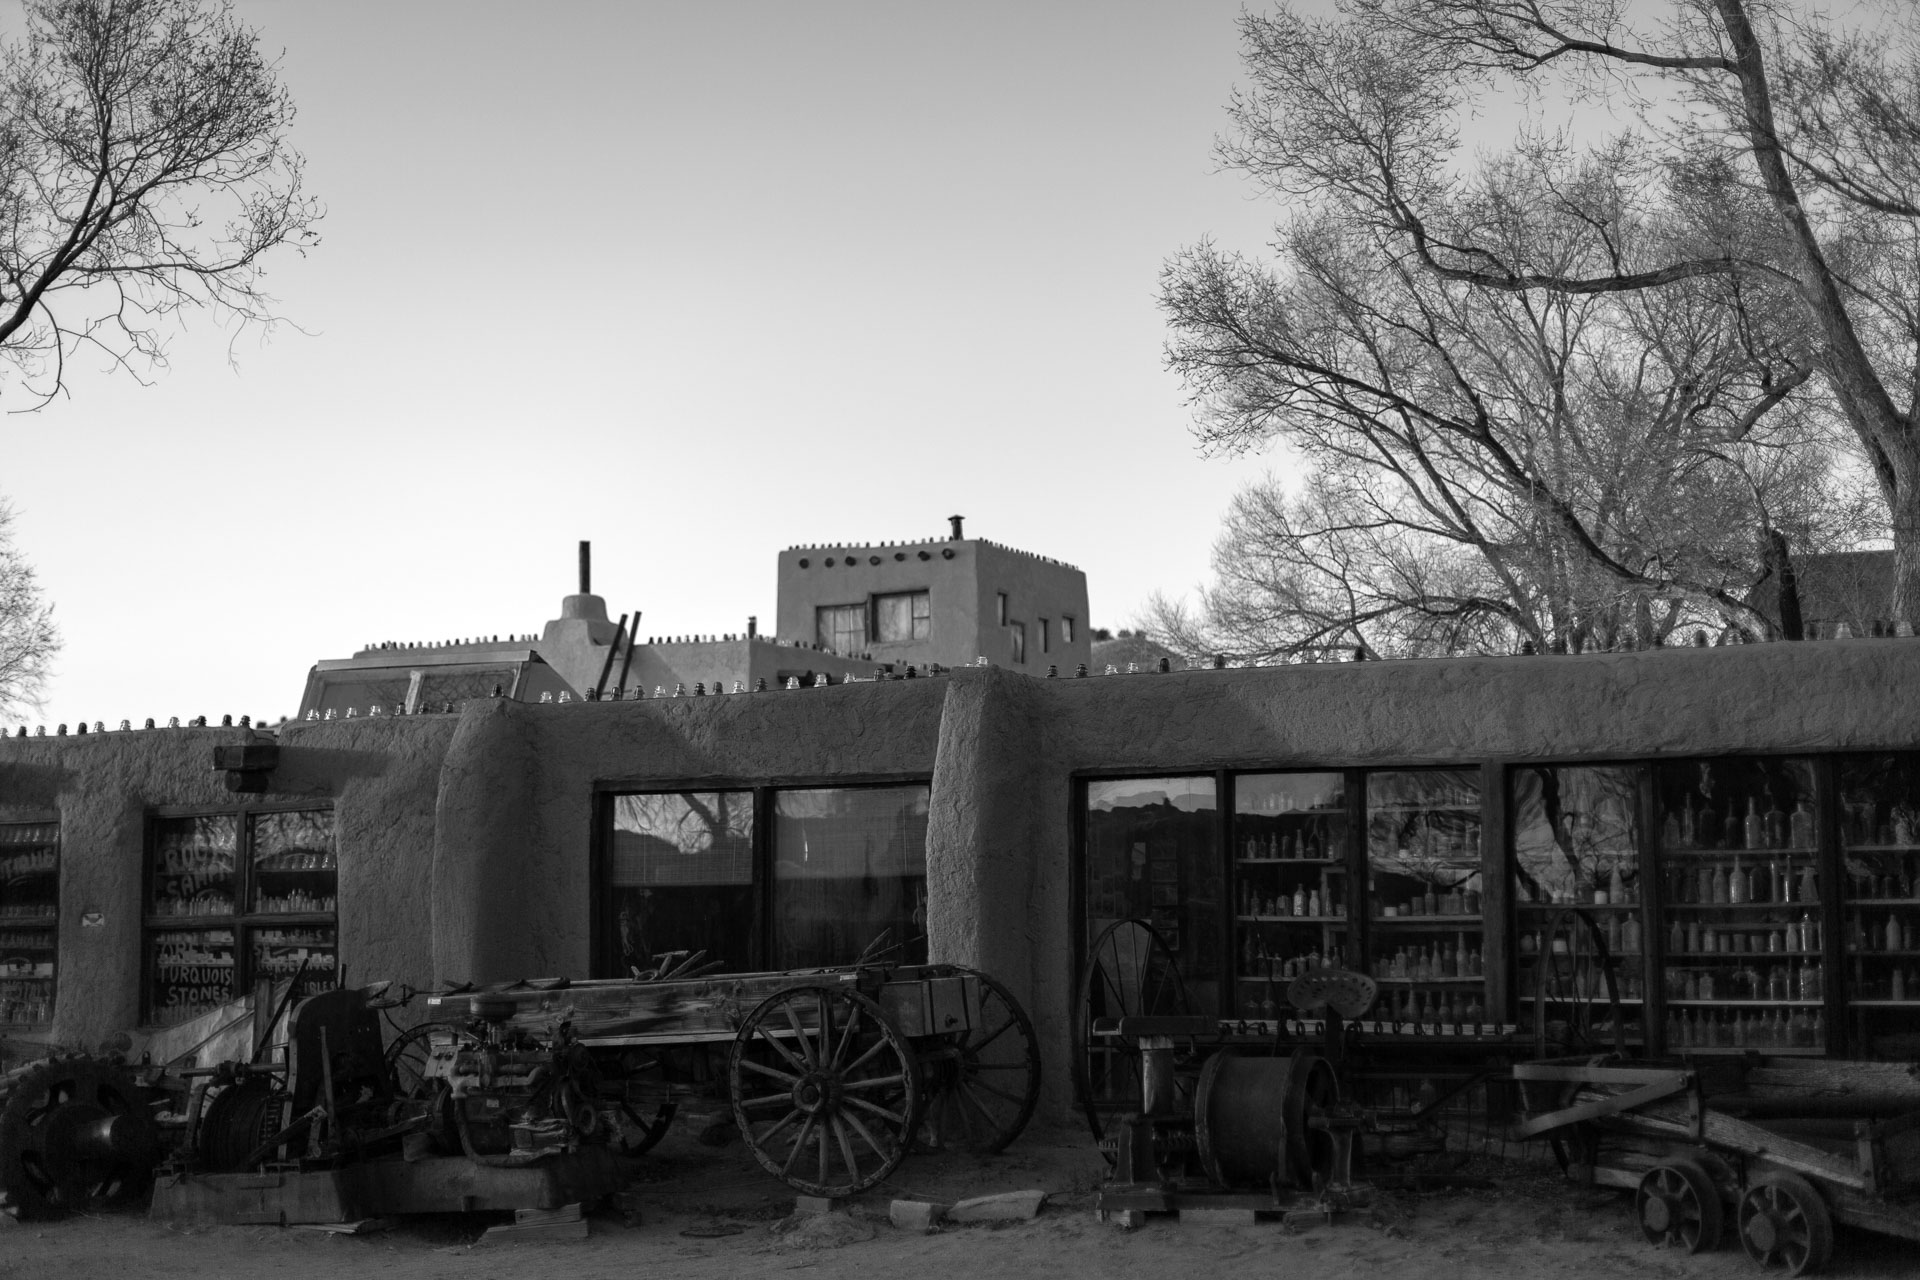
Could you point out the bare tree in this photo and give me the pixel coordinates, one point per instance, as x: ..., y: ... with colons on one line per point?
x: 144, y: 168
x: 29, y: 640
x: 1777, y: 154
x: 1491, y: 466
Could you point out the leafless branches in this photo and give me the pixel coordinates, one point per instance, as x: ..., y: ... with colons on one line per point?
x: 29, y: 640
x: 144, y: 169
x: 1571, y: 390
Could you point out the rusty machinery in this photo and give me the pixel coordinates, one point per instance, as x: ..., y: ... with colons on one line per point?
x: 517, y: 1096
x: 1193, y: 1111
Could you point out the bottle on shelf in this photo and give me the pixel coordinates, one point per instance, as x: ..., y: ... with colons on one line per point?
x: 1801, y: 827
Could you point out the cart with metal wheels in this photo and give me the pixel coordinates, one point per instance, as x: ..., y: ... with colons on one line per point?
x: 1775, y: 1150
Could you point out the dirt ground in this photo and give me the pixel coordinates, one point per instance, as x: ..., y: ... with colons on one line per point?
x: 707, y: 1213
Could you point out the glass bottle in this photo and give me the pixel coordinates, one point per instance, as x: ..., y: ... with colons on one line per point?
x: 1776, y: 823
x: 1809, y: 884
x: 1802, y: 825
x: 1719, y: 884
x: 1300, y: 900
x: 1630, y: 936
x: 1894, y: 938
x: 1756, y: 831
x: 1737, y: 883
x: 1677, y: 937
x: 1706, y: 827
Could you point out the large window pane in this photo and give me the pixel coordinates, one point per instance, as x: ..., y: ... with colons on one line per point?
x: 189, y: 971
x: 850, y: 873
x: 1577, y: 842
x: 841, y: 628
x: 29, y: 912
x: 1153, y: 854
x: 1424, y: 899
x: 680, y: 878
x: 1741, y: 884
x: 193, y: 865
x: 1879, y: 824
x: 902, y: 617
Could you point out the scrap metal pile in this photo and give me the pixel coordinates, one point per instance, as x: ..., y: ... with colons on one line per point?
x: 521, y: 1096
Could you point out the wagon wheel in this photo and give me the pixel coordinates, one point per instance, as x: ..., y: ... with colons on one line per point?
x: 826, y: 1092
x: 982, y: 1084
x: 75, y: 1135
x: 1677, y: 1204
x: 647, y: 1120
x: 1130, y: 971
x: 406, y: 1059
x: 1784, y: 1223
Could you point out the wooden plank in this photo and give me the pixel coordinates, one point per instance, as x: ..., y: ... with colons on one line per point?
x: 1673, y: 1119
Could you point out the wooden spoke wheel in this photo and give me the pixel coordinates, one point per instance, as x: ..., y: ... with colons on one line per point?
x: 75, y: 1135
x: 982, y: 1084
x: 826, y: 1092
x: 646, y: 1108
x: 407, y: 1059
x: 1678, y: 1205
x: 1130, y: 971
x: 1784, y: 1223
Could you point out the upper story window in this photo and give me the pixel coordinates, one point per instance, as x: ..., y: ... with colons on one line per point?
x: 1000, y: 603
x: 841, y: 628
x: 902, y: 616
x: 1019, y: 631
x: 1066, y: 630
x: 1046, y: 643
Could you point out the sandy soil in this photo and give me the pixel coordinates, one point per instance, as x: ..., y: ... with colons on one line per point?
x: 706, y: 1213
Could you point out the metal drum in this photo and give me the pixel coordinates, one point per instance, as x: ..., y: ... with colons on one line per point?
x: 1255, y: 1120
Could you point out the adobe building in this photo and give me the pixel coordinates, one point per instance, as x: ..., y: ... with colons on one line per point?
x: 1731, y: 835
x: 844, y: 612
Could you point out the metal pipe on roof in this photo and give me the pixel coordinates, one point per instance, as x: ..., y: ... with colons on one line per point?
x: 619, y: 631
x: 632, y: 635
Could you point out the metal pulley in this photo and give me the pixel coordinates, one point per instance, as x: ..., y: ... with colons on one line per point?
x: 1263, y: 1121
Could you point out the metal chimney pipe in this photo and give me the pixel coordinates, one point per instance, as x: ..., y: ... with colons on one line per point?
x: 586, y: 567
x: 957, y: 535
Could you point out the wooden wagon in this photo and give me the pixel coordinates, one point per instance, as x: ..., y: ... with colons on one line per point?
x: 1788, y: 1145
x: 832, y: 1075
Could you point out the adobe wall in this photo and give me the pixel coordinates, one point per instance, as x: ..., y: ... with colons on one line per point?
x: 511, y: 878
x: 380, y: 776
x: 1775, y: 698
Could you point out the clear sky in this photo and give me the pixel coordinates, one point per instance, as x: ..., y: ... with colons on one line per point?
x: 695, y: 281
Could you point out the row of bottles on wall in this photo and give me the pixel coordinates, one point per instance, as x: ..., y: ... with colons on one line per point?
x: 1710, y: 818
x: 1780, y: 983
x: 1316, y: 839
x: 1608, y: 879
x: 26, y: 1001
x: 1451, y: 1011
x: 1429, y: 962
x: 298, y: 902
x: 20, y: 865
x: 1797, y: 1028
x: 1398, y: 899
x: 29, y: 910
x: 1772, y: 933
x: 1879, y: 822
x: 1741, y: 881
x: 1258, y: 964
x: 1312, y: 898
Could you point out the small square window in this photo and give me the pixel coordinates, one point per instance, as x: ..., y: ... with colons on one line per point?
x: 841, y: 628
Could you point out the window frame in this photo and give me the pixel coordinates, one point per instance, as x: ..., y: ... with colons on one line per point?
x: 919, y: 616
x: 241, y: 922
x: 858, y: 610
x: 37, y: 924
x: 1066, y: 628
x: 1017, y: 633
x: 1046, y: 646
x: 603, y: 950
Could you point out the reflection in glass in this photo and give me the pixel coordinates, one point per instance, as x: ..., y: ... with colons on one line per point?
x: 1576, y: 866
x: 680, y: 878
x: 1290, y: 884
x: 1152, y: 854
x: 193, y: 865
x: 1426, y: 943
x: 1880, y: 861
x: 305, y: 950
x: 850, y: 875
x: 1741, y: 890
x: 29, y: 912
x: 189, y: 971
x: 294, y: 868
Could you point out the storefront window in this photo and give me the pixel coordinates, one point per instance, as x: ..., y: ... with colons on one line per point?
x: 1290, y: 863
x: 237, y: 896
x: 1880, y: 865
x: 680, y: 878
x: 1577, y: 859
x: 29, y: 919
x: 1152, y: 853
x: 1426, y: 935
x: 1741, y: 889
x: 849, y: 875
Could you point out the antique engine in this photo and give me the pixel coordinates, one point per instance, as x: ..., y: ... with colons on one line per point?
x: 504, y: 1094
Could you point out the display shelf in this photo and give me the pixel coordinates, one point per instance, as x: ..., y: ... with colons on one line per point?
x: 1336, y: 920
x: 1471, y: 980
x: 1336, y: 865
x: 1772, y: 1050
x: 1429, y: 922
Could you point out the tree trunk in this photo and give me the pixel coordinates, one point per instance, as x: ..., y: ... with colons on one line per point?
x: 1904, y: 503
x: 1787, y: 586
